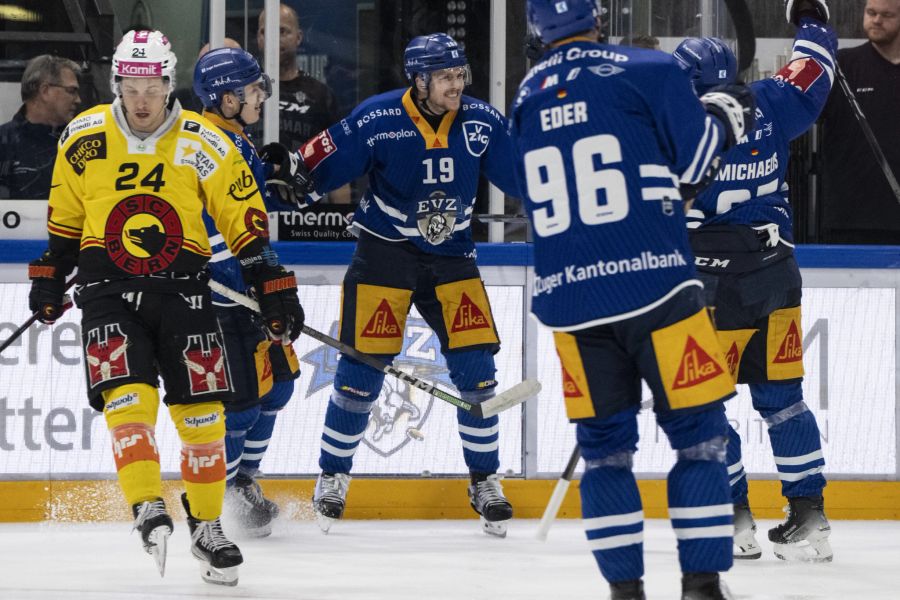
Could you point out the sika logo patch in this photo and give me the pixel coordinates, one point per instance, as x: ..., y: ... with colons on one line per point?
x: 570, y: 388
x: 468, y: 316
x: 696, y: 366
x: 733, y: 358
x: 791, y: 348
x: 87, y: 148
x: 383, y: 323
x: 143, y: 234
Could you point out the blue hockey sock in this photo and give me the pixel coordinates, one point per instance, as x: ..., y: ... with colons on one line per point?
x: 257, y: 442
x: 737, y: 478
x: 700, y: 508
x: 237, y: 424
x: 794, y: 435
x: 345, y: 425
x: 613, y: 518
x: 480, y: 437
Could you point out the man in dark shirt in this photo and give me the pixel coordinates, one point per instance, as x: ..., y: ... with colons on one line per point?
x: 28, y: 142
x: 859, y: 206
x: 306, y: 105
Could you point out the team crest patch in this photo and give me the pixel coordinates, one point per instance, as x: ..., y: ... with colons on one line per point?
x: 105, y: 353
x: 436, y: 217
x: 478, y: 135
x: 143, y: 234
x: 204, y: 358
x: 399, y: 407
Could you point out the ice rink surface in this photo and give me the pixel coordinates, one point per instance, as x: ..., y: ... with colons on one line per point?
x: 417, y: 560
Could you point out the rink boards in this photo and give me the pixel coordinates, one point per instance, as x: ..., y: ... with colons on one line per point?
x: 47, y: 433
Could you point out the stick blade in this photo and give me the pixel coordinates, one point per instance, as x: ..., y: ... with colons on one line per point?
x: 515, y: 395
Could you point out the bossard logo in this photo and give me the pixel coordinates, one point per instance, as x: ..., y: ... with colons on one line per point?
x: 570, y: 388
x: 383, y: 323
x: 399, y: 407
x: 477, y: 134
x: 696, y: 366
x: 791, y: 349
x: 732, y: 357
x: 468, y: 316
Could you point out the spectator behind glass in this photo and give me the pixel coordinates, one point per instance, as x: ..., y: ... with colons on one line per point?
x: 641, y: 41
x: 28, y: 142
x: 859, y: 206
x: 306, y: 105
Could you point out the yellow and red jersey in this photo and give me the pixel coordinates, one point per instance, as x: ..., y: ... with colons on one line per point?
x: 135, y: 206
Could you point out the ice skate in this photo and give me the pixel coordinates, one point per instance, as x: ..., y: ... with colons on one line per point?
x: 704, y: 586
x: 219, y: 556
x: 486, y: 497
x: 155, y: 525
x: 745, y: 545
x: 804, y: 535
x: 627, y: 590
x: 329, y: 498
x: 248, y: 509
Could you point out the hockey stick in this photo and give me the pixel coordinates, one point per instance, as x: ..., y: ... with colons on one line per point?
x: 559, y: 494
x: 867, y: 131
x: 743, y: 29
x: 514, y: 396
x: 67, y: 303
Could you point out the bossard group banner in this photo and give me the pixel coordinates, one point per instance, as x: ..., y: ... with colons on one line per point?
x: 850, y: 363
x: 48, y: 430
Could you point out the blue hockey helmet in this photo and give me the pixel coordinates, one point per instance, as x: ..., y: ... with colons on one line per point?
x: 428, y: 53
x: 554, y: 20
x: 709, y: 61
x: 227, y: 70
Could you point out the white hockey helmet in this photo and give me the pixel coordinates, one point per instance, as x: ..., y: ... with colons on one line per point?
x: 143, y: 54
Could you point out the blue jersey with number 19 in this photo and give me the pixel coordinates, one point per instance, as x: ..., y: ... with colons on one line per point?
x: 603, y: 137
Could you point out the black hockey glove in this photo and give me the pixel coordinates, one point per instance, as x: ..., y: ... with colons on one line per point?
x: 533, y: 47
x: 816, y: 9
x: 276, y: 291
x: 48, y: 286
x: 292, y: 181
x: 735, y: 107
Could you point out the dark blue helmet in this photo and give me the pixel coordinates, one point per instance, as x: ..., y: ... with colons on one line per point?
x: 709, y: 61
x: 433, y: 52
x: 557, y: 19
x: 227, y: 70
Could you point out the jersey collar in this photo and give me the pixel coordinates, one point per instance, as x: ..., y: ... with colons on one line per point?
x: 223, y: 123
x: 433, y: 140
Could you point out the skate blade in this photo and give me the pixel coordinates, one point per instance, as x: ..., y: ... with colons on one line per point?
x: 158, y: 548
x: 324, y: 522
x: 224, y: 576
x: 746, y: 548
x: 805, y: 551
x: 494, y: 528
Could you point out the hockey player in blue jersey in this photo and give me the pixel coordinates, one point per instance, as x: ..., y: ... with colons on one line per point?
x: 742, y: 237
x: 423, y: 148
x: 605, y: 136
x: 232, y: 88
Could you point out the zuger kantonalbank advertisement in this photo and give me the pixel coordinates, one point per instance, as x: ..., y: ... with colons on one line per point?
x: 47, y: 429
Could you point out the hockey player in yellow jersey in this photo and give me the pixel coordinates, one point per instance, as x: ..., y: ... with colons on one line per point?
x: 130, y: 184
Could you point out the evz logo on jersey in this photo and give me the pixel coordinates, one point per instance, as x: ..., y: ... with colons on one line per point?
x: 478, y: 135
x: 204, y: 357
x: 436, y: 217
x: 105, y: 353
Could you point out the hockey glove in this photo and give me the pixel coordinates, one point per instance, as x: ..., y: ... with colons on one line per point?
x: 735, y: 107
x: 816, y: 9
x: 291, y: 181
x: 276, y: 291
x: 48, y: 287
x: 533, y: 47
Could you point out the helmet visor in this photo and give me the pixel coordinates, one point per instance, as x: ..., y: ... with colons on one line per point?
x: 453, y: 74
